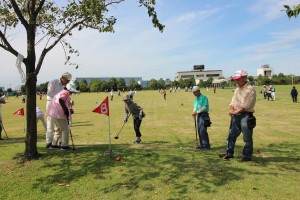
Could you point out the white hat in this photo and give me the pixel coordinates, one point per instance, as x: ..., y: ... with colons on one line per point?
x: 67, y: 75
x: 195, y: 88
x: 239, y: 74
x: 71, y: 87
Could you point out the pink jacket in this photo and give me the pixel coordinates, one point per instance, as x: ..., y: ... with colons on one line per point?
x: 54, y: 108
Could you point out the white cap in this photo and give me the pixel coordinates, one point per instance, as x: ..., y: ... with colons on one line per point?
x: 67, y: 75
x: 195, y: 88
x: 71, y: 87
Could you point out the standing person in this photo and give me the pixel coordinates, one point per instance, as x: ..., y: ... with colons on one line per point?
x: 112, y: 95
x: 265, y: 91
x: 137, y: 115
x: 215, y: 88
x: 272, y: 92
x: 131, y: 94
x: 2, y: 101
x: 269, y: 91
x: 163, y: 91
x: 294, y: 94
x: 40, y: 116
x: 200, y: 112
x: 58, y: 113
x: 23, y: 98
x: 242, y: 119
x: 54, y: 87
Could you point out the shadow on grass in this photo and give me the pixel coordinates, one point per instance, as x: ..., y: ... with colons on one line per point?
x: 178, y: 166
x: 15, y: 140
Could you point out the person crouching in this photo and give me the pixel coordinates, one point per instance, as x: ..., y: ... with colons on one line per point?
x: 58, y: 113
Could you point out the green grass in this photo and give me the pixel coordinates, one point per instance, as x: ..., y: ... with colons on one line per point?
x: 165, y: 165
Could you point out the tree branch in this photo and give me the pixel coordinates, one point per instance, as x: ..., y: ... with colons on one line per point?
x: 39, y: 8
x: 46, y: 50
x: 6, y: 45
x: 19, y: 13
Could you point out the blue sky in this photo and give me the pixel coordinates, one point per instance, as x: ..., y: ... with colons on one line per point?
x: 221, y: 34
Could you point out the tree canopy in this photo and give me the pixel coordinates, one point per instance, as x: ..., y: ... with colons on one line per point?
x: 48, y: 23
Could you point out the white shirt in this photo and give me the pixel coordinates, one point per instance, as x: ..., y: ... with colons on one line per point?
x: 54, y: 87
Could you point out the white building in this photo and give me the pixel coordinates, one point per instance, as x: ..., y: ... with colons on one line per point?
x: 199, y: 74
x: 265, y: 70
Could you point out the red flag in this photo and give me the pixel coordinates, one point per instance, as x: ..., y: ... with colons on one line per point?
x: 20, y: 112
x: 103, y: 108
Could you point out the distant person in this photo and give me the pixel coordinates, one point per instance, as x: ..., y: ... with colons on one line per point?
x: 200, y: 113
x: 273, y: 92
x: 164, y: 92
x: 215, y: 88
x: 131, y: 94
x: 137, y: 114
x: 23, y: 98
x: 294, y: 94
x: 2, y: 101
x: 54, y: 87
x: 242, y: 119
x: 112, y: 95
x: 264, y: 90
x: 40, y: 117
x: 58, y: 113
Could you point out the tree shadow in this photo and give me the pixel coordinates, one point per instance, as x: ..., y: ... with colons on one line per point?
x: 184, y: 170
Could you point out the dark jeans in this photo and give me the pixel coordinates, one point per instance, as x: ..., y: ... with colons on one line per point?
x: 238, y: 125
x: 202, y: 131
x: 136, y: 124
x: 294, y: 97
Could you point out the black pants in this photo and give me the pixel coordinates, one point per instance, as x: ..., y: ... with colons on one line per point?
x: 294, y: 97
x: 136, y: 124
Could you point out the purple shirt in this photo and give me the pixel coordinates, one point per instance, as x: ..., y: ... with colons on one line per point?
x: 54, y: 108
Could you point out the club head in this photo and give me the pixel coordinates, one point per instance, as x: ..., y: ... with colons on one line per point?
x: 116, y: 137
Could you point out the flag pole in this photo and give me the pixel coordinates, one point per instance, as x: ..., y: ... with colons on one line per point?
x: 109, y: 142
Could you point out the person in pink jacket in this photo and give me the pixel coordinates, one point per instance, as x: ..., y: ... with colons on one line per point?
x: 58, y: 113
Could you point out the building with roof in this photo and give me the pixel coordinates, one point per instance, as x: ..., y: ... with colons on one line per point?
x: 199, y: 73
x: 265, y: 70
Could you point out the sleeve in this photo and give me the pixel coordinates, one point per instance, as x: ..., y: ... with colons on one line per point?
x: 50, y: 88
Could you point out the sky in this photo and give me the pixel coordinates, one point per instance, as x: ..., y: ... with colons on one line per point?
x: 223, y: 35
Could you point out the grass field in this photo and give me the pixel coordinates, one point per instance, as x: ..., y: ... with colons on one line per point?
x: 166, y: 165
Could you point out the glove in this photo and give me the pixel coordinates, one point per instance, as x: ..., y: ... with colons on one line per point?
x: 125, y: 120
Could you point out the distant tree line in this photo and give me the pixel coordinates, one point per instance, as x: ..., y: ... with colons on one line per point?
x: 98, y: 85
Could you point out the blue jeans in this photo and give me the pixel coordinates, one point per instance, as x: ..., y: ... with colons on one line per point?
x: 136, y: 124
x: 238, y: 125
x: 202, y: 131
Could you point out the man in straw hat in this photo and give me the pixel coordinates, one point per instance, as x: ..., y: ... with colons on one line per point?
x: 137, y: 115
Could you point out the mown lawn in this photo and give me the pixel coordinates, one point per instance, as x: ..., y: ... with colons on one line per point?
x: 166, y: 165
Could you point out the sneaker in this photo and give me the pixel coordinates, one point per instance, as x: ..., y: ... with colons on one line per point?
x: 48, y: 145
x: 225, y: 156
x: 65, y: 148
x: 137, y: 142
x: 245, y: 159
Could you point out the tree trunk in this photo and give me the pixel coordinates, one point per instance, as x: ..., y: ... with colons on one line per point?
x: 31, y: 131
